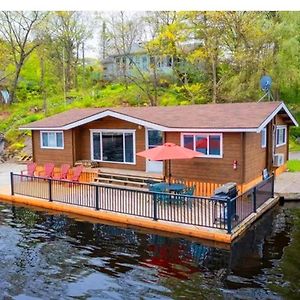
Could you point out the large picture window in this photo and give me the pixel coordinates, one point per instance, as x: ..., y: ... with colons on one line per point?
x: 52, y: 139
x: 113, y: 146
x: 208, y: 144
x: 280, y: 135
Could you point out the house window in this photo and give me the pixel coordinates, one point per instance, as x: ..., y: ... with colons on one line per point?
x: 208, y: 144
x: 280, y: 135
x: 52, y: 139
x: 264, y: 138
x: 116, y: 146
x: 155, y: 138
x: 144, y: 62
x: 169, y: 61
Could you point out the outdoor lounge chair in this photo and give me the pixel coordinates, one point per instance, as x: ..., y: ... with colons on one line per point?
x: 48, y: 171
x: 76, y: 172
x: 30, y: 170
x: 63, y: 175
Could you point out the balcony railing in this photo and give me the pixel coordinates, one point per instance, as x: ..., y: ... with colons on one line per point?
x: 177, y: 208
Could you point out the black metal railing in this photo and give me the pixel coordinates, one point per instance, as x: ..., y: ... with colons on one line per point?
x: 247, y: 203
x: 186, y: 209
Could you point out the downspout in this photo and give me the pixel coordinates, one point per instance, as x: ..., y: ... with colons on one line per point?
x: 73, y: 146
x: 243, y: 157
x: 32, y: 145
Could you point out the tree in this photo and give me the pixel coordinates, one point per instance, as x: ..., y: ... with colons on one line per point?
x: 17, y: 29
x: 122, y: 32
x: 68, y: 31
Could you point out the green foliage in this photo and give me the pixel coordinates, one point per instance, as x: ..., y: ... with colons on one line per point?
x: 15, y: 147
x: 293, y: 145
x: 293, y: 165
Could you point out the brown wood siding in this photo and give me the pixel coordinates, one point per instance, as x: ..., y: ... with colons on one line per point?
x: 83, y: 145
x: 57, y: 156
x: 218, y: 170
x: 255, y: 156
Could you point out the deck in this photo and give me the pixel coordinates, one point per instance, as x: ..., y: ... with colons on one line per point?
x: 127, y: 200
x: 201, y: 217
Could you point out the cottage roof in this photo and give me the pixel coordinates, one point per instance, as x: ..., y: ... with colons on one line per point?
x: 227, y: 117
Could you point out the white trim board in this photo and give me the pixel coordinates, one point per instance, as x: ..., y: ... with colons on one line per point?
x: 274, y: 113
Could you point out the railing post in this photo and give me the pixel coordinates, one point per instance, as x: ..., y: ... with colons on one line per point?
x: 229, y: 215
x: 97, y: 197
x: 272, y: 191
x: 12, y: 183
x: 154, y: 207
x: 50, y: 189
x: 254, y: 199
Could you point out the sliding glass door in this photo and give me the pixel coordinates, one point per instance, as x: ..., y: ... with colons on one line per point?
x: 116, y: 146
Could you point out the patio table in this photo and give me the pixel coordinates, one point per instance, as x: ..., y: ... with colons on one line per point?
x: 172, y: 187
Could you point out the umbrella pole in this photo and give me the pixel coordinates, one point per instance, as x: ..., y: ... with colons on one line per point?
x: 169, y: 171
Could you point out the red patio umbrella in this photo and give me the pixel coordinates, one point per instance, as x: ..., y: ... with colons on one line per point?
x: 169, y: 151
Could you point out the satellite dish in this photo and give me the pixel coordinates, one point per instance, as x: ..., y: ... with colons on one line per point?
x: 265, y: 83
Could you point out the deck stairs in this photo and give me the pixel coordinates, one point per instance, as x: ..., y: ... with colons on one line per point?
x: 126, y: 178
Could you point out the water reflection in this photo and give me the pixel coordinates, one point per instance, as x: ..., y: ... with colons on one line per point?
x: 55, y: 257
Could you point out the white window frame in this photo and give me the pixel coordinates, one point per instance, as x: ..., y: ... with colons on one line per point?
x: 205, y: 135
x: 147, y: 137
x: 101, y: 148
x: 263, y: 138
x: 279, y: 127
x: 50, y: 147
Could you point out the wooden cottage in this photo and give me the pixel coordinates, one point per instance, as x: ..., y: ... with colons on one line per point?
x: 238, y: 140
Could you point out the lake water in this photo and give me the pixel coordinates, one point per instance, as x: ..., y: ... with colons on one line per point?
x: 45, y: 256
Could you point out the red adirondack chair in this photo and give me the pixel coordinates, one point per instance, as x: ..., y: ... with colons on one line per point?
x: 63, y: 175
x: 48, y: 171
x: 30, y: 170
x: 76, y: 173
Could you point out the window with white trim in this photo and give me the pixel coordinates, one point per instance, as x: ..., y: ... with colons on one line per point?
x: 52, y: 139
x: 264, y: 138
x: 280, y: 135
x: 209, y: 144
x: 113, y: 146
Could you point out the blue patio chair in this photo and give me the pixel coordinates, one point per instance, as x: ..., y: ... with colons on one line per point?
x: 159, y: 188
x: 189, y: 191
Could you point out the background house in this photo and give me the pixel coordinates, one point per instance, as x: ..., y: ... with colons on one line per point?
x: 138, y: 60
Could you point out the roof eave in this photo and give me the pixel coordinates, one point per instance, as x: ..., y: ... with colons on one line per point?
x: 274, y: 113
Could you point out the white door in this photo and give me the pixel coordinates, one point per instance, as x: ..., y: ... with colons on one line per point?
x: 154, y: 138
